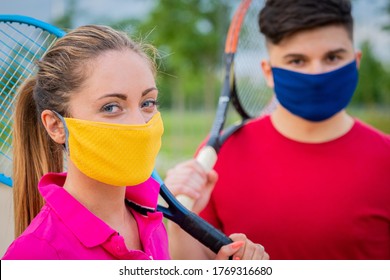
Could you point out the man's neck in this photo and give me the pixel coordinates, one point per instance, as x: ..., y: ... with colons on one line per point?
x: 301, y: 130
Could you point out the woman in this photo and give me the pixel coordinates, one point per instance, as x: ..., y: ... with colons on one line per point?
x: 95, y: 96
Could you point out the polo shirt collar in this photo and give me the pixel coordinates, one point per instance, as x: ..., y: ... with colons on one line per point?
x: 87, y: 227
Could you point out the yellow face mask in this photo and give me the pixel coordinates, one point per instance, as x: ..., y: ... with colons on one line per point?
x: 115, y: 154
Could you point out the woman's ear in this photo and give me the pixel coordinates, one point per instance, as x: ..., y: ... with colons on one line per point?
x: 267, y: 72
x: 53, y: 126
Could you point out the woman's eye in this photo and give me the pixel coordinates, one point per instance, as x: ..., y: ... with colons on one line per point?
x: 110, y: 108
x: 149, y: 103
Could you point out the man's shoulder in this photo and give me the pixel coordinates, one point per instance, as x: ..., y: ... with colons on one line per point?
x: 370, y: 133
x: 254, y: 126
x: 371, y: 141
x: 254, y: 135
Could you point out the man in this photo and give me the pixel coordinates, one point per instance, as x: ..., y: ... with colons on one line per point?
x: 309, y: 181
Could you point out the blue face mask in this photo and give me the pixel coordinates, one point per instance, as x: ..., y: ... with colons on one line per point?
x: 315, y: 97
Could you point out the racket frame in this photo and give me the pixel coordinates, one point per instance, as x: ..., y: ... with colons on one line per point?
x: 29, y: 21
x: 208, y: 154
x: 33, y: 22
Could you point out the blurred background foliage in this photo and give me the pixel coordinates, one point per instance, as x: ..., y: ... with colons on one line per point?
x: 189, y: 35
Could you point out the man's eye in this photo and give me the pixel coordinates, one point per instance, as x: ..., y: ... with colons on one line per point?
x: 296, y: 61
x: 333, y: 58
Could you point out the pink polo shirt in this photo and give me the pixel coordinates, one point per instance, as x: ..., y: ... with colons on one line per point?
x: 66, y: 230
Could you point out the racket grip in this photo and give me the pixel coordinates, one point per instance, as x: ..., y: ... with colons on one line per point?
x: 187, y: 201
x: 207, y: 157
x: 205, y: 233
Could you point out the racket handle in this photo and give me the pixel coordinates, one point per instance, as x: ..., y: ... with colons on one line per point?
x: 207, y: 157
x: 187, y: 201
x: 205, y: 233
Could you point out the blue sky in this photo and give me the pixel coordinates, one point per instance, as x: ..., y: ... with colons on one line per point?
x: 92, y: 9
x: 369, y: 17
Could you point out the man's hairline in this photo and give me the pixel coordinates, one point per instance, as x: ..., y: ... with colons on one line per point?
x: 269, y: 43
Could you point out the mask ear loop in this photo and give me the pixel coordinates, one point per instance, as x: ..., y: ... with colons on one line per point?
x: 66, y: 131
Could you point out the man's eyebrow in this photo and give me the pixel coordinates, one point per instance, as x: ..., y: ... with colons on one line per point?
x: 340, y: 50
x: 299, y: 55
x: 293, y: 55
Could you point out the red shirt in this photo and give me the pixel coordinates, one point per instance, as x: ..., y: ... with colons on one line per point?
x: 66, y: 230
x: 305, y: 201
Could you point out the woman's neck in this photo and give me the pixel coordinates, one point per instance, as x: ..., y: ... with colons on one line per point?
x: 301, y: 130
x: 106, y: 202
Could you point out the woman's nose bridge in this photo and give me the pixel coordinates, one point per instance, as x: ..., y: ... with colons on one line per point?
x: 135, y: 116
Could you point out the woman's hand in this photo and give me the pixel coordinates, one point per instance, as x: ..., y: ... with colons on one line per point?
x: 242, y: 249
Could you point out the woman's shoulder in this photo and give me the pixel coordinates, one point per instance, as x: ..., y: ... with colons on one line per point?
x: 30, y: 247
x: 34, y: 243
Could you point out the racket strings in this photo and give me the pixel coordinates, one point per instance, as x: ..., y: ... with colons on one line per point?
x: 21, y: 45
x: 254, y: 96
x: 24, y: 68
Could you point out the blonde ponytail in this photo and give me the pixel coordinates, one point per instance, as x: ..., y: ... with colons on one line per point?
x: 34, y: 155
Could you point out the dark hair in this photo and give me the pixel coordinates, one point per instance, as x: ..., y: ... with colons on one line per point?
x: 281, y: 18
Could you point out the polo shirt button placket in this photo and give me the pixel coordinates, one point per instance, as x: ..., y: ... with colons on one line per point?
x: 118, y: 244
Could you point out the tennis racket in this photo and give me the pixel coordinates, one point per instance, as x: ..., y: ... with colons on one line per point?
x: 191, y: 223
x: 23, y: 40
x: 244, y: 88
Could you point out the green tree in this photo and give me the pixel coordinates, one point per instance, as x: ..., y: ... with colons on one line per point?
x: 67, y: 20
x: 387, y: 10
x: 190, y: 36
x: 374, y: 86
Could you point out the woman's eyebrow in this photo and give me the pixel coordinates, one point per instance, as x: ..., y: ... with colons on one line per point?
x: 146, y: 91
x: 117, y: 95
x: 124, y: 96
